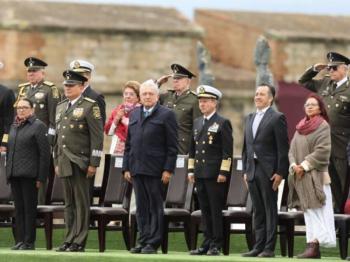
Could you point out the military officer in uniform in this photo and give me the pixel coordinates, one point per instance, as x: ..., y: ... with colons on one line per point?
x: 85, y: 68
x: 334, y: 88
x: 183, y: 102
x: 209, y: 166
x: 77, y: 155
x: 45, y: 96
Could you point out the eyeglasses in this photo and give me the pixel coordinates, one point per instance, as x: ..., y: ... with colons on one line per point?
x: 21, y: 108
x: 310, y: 105
x: 333, y: 67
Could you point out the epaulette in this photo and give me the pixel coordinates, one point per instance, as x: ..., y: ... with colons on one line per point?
x: 89, y: 99
x: 24, y: 84
x: 193, y: 93
x: 61, y: 102
x: 171, y: 90
x: 48, y: 83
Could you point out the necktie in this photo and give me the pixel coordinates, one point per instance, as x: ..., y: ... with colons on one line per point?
x: 205, y: 121
x: 146, y: 113
x: 69, y: 105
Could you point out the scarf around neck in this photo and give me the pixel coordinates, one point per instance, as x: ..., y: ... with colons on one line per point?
x: 309, y: 125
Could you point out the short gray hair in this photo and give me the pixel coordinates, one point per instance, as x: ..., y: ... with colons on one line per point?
x: 149, y: 83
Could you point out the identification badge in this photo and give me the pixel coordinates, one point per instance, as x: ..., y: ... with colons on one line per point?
x: 78, y: 112
x: 213, y: 128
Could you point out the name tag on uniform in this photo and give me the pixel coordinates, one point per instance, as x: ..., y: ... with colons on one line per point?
x: 213, y: 128
x: 118, y: 162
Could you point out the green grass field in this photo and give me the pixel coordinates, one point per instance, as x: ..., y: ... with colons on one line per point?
x: 116, y: 250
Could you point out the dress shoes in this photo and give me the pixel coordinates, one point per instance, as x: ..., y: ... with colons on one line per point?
x: 312, y: 251
x: 148, y: 249
x: 199, y: 251
x: 26, y: 246
x: 136, y: 250
x: 213, y: 252
x: 17, y: 246
x: 76, y: 248
x: 251, y: 253
x: 267, y: 253
x: 63, y: 247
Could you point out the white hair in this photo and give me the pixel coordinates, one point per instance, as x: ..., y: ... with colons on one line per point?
x: 149, y: 83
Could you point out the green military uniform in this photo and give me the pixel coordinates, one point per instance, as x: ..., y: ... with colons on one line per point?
x: 186, y: 110
x: 79, y: 144
x: 337, y: 102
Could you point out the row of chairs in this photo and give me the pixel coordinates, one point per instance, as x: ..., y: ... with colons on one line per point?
x: 178, y: 208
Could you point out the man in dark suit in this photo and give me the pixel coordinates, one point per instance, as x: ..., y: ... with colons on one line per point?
x: 209, y: 165
x: 265, y: 164
x: 7, y: 99
x: 335, y: 91
x: 149, y: 159
x: 85, y: 68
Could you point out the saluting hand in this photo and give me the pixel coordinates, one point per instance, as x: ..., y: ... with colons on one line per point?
x: 166, y: 175
x: 221, y: 179
x: 91, y: 171
x: 276, y: 181
x: 127, y: 176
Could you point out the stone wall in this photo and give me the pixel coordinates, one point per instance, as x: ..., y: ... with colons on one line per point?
x: 117, y: 57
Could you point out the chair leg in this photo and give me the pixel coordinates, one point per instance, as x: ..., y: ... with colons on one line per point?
x: 227, y: 235
x: 187, y: 233
x: 194, y: 233
x: 290, y: 237
x: 125, y: 229
x: 343, y: 239
x: 283, y: 240
x: 164, y: 244
x: 102, y: 233
x: 249, y: 234
x: 48, y: 226
x: 133, y: 230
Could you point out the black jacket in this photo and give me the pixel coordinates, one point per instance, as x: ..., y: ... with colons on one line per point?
x: 28, y: 151
x: 7, y: 99
x: 151, y: 144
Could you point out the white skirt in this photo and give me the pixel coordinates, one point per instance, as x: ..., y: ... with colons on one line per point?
x: 320, y: 222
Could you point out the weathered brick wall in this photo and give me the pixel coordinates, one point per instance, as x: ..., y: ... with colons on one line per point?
x: 117, y: 57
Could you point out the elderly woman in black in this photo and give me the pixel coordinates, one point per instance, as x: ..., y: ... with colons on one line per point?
x: 28, y: 158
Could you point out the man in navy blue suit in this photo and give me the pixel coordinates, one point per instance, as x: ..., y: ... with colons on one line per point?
x: 149, y: 160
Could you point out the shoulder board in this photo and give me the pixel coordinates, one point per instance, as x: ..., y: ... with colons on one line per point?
x: 48, y: 83
x: 63, y: 101
x: 24, y: 84
x: 193, y: 93
x: 89, y: 99
x: 171, y: 90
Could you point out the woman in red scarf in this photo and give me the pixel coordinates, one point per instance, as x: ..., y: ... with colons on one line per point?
x: 309, y: 181
x: 117, y: 124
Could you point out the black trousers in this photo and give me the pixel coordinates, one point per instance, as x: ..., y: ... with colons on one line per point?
x: 149, y: 209
x: 338, y: 171
x: 211, y: 197
x: 264, y: 201
x: 25, y: 195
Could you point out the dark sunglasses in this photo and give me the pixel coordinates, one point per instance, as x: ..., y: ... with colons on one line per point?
x: 333, y: 67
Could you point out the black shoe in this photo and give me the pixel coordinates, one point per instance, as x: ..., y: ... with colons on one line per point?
x: 213, y: 252
x: 63, y: 247
x: 199, y: 251
x: 26, y: 246
x: 76, y: 248
x: 148, y: 249
x: 17, y: 246
x: 267, y: 253
x: 251, y: 253
x: 136, y: 250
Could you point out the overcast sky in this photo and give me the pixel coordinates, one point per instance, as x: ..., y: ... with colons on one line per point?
x: 328, y: 7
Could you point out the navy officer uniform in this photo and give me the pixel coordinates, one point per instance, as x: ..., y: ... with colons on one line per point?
x: 210, y: 157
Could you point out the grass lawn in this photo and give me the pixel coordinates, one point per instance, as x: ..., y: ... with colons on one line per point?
x: 115, y: 250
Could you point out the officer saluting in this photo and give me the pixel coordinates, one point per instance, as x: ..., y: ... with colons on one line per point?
x: 209, y: 165
x: 42, y: 93
x: 78, y: 152
x: 334, y: 88
x: 183, y: 102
